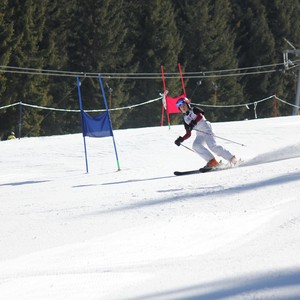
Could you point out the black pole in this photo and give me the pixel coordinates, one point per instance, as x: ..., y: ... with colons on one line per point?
x: 20, y: 120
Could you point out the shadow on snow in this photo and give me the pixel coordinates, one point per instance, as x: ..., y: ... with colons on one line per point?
x: 213, y: 191
x: 283, y: 283
x: 24, y: 182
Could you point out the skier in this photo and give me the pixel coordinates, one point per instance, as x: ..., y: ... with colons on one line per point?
x: 8, y: 136
x: 194, y: 118
x: 11, y: 136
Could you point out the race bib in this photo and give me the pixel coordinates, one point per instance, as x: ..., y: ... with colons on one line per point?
x: 190, y: 117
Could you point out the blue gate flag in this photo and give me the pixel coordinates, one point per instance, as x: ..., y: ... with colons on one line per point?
x: 97, y: 126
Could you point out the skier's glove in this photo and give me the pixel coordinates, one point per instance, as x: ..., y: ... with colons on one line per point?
x: 192, y: 125
x: 179, y: 141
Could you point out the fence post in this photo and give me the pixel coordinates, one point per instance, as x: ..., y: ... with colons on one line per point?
x: 20, y: 120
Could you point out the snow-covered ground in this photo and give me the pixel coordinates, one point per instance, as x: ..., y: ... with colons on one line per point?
x: 143, y: 233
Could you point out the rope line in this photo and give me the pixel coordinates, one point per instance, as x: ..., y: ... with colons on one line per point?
x: 10, y: 105
x: 286, y: 102
x: 145, y: 103
x: 238, y: 105
x: 78, y: 110
x: 250, y: 103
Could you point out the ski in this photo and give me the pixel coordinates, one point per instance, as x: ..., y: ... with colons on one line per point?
x: 181, y: 173
x: 201, y: 170
x: 206, y: 169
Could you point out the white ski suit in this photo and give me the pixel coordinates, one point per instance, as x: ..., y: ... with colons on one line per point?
x: 204, y: 135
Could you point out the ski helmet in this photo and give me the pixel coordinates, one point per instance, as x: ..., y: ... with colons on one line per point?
x: 180, y: 102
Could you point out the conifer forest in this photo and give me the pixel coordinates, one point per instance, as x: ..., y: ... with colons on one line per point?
x: 230, y: 51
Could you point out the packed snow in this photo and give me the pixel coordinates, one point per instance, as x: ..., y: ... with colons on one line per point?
x: 143, y: 233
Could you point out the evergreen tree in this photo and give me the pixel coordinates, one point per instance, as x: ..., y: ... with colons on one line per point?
x: 6, y: 39
x: 256, y: 46
x: 157, y: 43
x: 133, y: 36
x: 97, y: 45
x: 209, y: 46
x: 62, y: 89
x: 28, y: 20
x: 284, y: 22
x: 6, y: 47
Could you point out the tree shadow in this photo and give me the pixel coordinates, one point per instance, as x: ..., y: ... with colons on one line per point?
x: 125, y: 181
x: 211, y: 191
x: 275, y: 285
x: 24, y: 182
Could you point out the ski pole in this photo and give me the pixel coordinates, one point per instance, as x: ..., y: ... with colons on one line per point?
x: 220, y: 137
x: 187, y: 147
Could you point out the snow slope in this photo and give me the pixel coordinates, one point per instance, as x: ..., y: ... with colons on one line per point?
x: 143, y: 233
